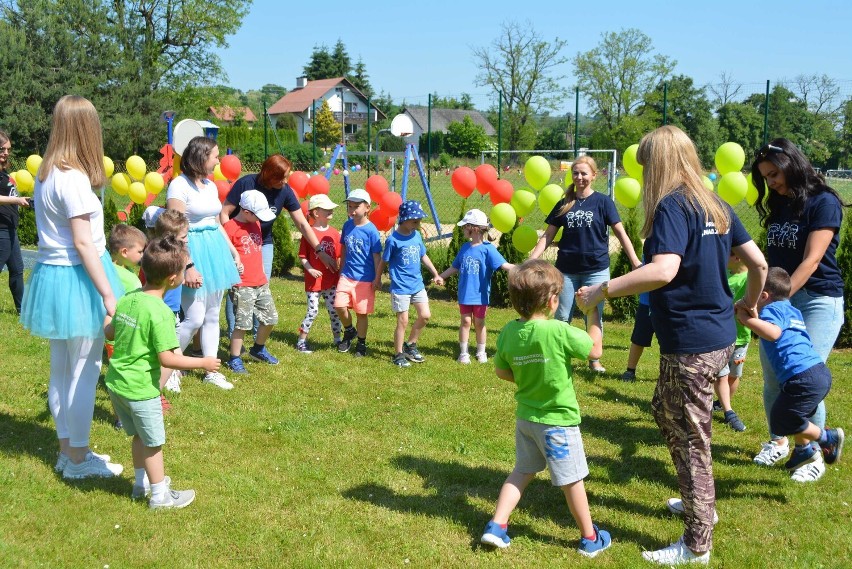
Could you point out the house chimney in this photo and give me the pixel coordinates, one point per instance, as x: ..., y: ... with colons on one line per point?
x: 301, y: 82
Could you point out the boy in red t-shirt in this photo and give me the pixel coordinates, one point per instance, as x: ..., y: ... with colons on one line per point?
x: 252, y: 297
x: 320, y: 281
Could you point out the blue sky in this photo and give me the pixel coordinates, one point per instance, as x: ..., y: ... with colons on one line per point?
x: 413, y: 49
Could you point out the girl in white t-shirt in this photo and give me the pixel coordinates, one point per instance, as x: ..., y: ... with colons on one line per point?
x: 73, y: 286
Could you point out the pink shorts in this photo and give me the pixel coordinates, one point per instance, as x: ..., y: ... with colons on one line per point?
x: 357, y: 295
x: 478, y: 310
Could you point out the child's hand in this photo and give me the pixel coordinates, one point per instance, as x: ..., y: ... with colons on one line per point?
x: 240, y: 267
x: 315, y: 273
x: 192, y: 278
x: 438, y: 280
x: 210, y: 364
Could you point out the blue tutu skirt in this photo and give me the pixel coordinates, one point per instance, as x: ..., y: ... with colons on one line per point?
x: 212, y: 257
x: 61, y: 301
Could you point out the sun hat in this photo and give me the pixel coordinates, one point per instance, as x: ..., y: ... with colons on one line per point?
x: 474, y: 217
x: 150, y: 215
x: 255, y: 202
x: 321, y: 201
x: 358, y: 195
x: 410, y: 210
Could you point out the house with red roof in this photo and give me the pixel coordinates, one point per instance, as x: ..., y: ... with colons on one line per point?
x: 227, y: 115
x: 348, y: 104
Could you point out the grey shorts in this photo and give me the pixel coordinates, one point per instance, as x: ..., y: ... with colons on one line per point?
x: 558, y: 448
x: 250, y: 302
x: 143, y: 418
x: 401, y: 302
x: 735, y: 363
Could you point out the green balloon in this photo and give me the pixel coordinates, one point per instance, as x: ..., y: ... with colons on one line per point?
x: 548, y: 197
x: 730, y: 157
x: 751, y: 193
x: 524, y: 238
x: 631, y: 166
x: 627, y: 192
x: 537, y: 172
x: 523, y: 201
x: 503, y: 217
x: 708, y: 183
x: 733, y: 187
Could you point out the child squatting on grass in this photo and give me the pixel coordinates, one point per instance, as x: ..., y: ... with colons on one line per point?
x: 145, y: 339
x: 803, y: 377
x: 535, y: 353
x: 404, y: 251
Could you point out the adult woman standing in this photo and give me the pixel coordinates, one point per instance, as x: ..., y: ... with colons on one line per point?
x: 72, y: 263
x: 802, y: 216
x: 215, y: 264
x: 689, y: 235
x: 10, y: 245
x: 584, y: 216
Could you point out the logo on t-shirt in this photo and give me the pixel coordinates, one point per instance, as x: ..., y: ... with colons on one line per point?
x: 251, y: 242
x: 471, y: 266
x: 410, y: 254
x: 355, y: 245
x: 579, y: 219
x: 782, y: 235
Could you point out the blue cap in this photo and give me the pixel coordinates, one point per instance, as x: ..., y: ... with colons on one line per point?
x: 410, y: 210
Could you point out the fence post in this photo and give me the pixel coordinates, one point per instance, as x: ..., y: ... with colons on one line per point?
x: 428, y: 142
x: 499, y: 127
x: 369, y: 138
x: 766, y: 116
x: 665, y: 103
x: 314, y: 132
x: 576, y: 121
x: 265, y: 132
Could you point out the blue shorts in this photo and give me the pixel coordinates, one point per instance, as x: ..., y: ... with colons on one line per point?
x: 798, y: 400
x: 643, y: 328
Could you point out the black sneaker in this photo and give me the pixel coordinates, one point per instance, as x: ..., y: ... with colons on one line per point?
x: 629, y: 376
x: 717, y: 406
x: 360, y: 350
x: 346, y: 342
x: 303, y: 348
x: 400, y: 360
x: 733, y: 421
x: 411, y: 353
x: 834, y: 448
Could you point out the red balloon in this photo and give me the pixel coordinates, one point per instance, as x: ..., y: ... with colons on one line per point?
x: 501, y: 192
x: 464, y: 181
x: 304, y: 206
x: 486, y: 175
x: 376, y: 186
x: 297, y: 182
x: 317, y: 185
x: 223, y: 187
x: 390, y: 202
x: 230, y: 166
x: 379, y: 218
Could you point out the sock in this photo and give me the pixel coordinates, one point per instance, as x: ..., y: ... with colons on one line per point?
x: 801, y: 448
x: 823, y: 437
x: 593, y: 537
x: 463, y: 347
x: 158, y: 491
x: 303, y: 341
x: 480, y: 348
x: 631, y: 369
x: 257, y: 347
x: 362, y: 341
x: 140, y: 477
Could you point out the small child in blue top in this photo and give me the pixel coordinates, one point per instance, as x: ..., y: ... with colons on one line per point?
x: 404, y: 251
x: 475, y: 263
x: 804, y: 378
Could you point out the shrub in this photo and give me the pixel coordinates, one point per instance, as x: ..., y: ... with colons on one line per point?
x: 500, y: 280
x: 844, y: 262
x: 27, y: 233
x: 624, y: 307
x: 110, y: 216
x: 285, y: 247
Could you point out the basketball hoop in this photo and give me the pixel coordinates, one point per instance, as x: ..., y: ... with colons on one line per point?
x: 402, y: 126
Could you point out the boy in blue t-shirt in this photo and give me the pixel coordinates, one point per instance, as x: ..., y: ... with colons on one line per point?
x: 805, y: 380
x: 404, y: 251
x: 360, y: 255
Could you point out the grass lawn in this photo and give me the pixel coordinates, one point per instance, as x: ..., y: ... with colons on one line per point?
x: 329, y: 461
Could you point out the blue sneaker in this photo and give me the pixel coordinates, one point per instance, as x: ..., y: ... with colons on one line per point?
x: 262, y: 355
x: 834, y: 448
x: 802, y: 456
x: 495, y: 536
x: 591, y: 548
x: 236, y: 365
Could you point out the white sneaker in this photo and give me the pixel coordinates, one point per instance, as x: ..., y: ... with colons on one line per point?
x: 809, y: 472
x: 675, y: 506
x: 140, y: 492
x: 62, y: 461
x: 217, y: 379
x: 675, y: 554
x: 464, y: 358
x: 772, y: 454
x: 174, y: 499
x: 173, y: 383
x: 92, y: 467
x: 482, y: 357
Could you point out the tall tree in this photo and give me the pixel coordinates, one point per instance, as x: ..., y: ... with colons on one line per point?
x: 341, y: 60
x: 725, y: 90
x: 687, y: 107
x: 465, y: 138
x: 526, y: 71
x: 360, y: 79
x: 321, y: 64
x: 464, y: 102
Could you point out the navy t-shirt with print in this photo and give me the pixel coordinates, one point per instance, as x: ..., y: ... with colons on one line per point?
x: 279, y: 200
x: 787, y: 236
x: 694, y: 313
x: 584, y: 247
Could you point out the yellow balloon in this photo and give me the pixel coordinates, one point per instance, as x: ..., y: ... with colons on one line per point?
x: 548, y: 197
x: 730, y: 157
x: 523, y: 201
x: 524, y: 238
x: 751, y: 192
x: 33, y: 162
x: 558, y: 237
x: 176, y: 166
x: 121, y: 184
x: 154, y: 182
x: 628, y: 191
x: 708, y: 183
x: 631, y: 166
x: 136, y: 167
x: 109, y: 166
x: 25, y: 182
x: 733, y: 187
x: 137, y: 192
x: 217, y: 173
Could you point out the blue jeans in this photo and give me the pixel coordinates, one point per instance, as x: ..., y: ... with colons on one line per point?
x: 823, y: 319
x: 572, y: 282
x: 268, y: 253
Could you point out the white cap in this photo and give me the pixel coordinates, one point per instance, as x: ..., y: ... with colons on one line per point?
x: 255, y: 202
x: 474, y: 217
x: 358, y: 195
x: 321, y: 201
x: 150, y: 215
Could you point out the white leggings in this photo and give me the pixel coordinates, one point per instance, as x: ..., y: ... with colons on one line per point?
x: 201, y: 312
x: 75, y: 365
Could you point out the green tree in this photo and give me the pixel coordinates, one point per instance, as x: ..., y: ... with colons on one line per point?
x: 523, y: 68
x: 464, y: 102
x: 689, y: 109
x: 321, y: 64
x: 465, y: 138
x: 341, y: 59
x: 844, y: 147
x: 328, y: 129
x: 741, y: 123
x: 360, y: 79
x: 554, y: 134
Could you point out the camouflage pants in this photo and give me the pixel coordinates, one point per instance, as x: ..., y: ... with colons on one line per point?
x: 683, y: 407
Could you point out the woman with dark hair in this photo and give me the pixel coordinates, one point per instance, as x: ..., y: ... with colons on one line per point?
x: 214, y: 265
x: 10, y: 245
x: 802, y: 217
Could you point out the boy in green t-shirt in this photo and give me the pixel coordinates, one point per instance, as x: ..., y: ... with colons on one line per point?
x: 126, y: 244
x: 144, y: 332
x: 728, y: 379
x: 535, y: 353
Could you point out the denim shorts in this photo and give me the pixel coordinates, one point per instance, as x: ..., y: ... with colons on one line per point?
x: 402, y: 302
x: 559, y: 448
x: 735, y: 363
x: 143, y: 418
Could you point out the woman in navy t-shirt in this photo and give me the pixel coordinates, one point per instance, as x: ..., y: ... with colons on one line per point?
x: 802, y: 217
x: 689, y: 235
x: 584, y: 216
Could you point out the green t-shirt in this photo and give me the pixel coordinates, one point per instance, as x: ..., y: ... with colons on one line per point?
x: 738, y: 282
x: 539, y: 353
x: 128, y: 278
x: 144, y: 327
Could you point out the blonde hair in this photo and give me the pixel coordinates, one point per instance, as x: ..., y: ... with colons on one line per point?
x: 671, y: 164
x: 570, y: 193
x: 76, y: 141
